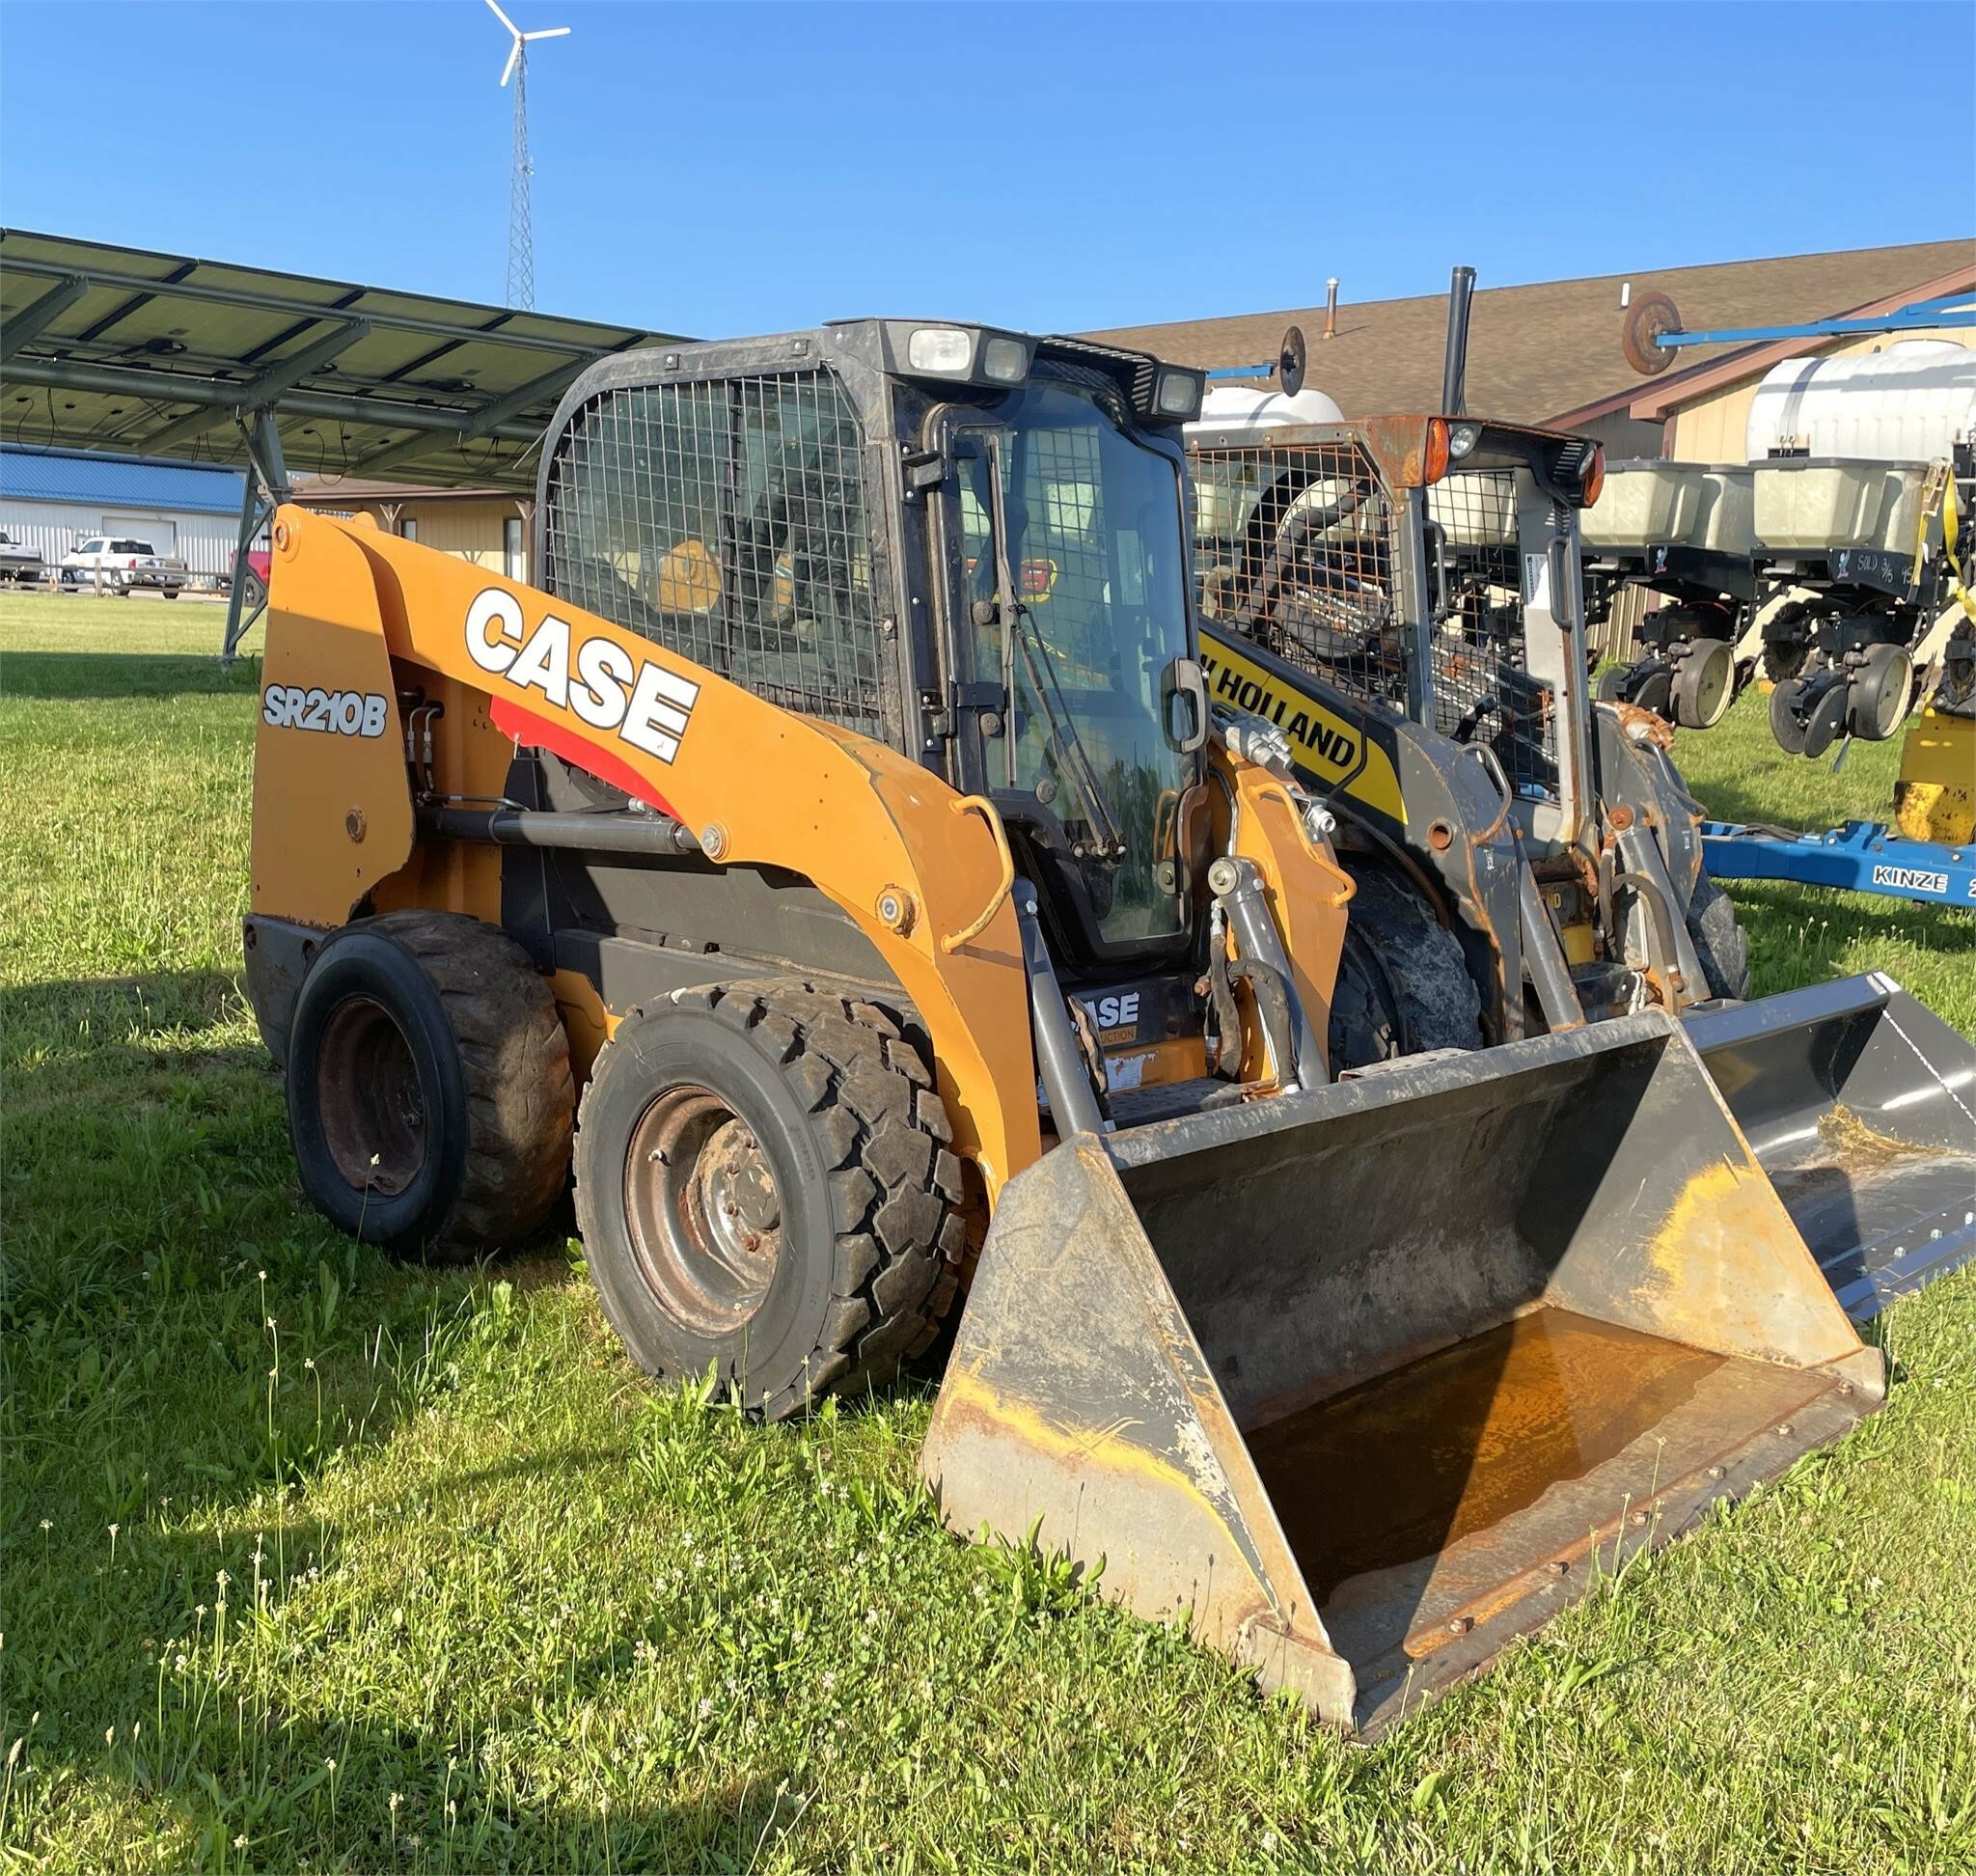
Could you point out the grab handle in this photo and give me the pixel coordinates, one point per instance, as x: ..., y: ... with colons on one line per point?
x: 983, y: 806
x: 1492, y: 765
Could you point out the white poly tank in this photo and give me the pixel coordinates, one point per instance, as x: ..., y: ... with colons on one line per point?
x: 1909, y: 403
x: 1236, y: 406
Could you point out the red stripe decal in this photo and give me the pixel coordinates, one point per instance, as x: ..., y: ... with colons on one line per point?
x: 526, y: 729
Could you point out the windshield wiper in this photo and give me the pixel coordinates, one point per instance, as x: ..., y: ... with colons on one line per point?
x: 1064, y: 740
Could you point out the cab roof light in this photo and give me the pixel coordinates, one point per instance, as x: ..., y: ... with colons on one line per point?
x: 1004, y: 360
x: 949, y: 350
x: 1435, y: 465
x: 1178, y: 396
x: 1593, y: 478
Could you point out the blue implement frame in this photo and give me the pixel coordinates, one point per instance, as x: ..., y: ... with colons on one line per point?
x: 1949, y: 309
x: 1860, y: 857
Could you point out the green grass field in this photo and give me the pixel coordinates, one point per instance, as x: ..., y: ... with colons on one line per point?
x: 316, y: 1562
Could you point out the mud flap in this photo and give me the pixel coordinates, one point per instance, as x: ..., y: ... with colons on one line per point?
x: 1361, y: 1383
x: 1861, y: 1104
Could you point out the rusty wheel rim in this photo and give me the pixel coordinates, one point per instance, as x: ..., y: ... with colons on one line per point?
x: 370, y: 1098
x: 704, y: 1210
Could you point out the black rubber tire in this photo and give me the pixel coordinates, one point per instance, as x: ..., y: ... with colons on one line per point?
x: 1880, y: 697
x: 1827, y: 719
x: 1786, y: 731
x: 840, y: 1103
x: 1403, y: 978
x: 1656, y: 692
x: 492, y: 1068
x: 1719, y: 938
x: 1704, y: 684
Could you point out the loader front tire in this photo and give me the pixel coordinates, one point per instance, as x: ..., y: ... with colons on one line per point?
x: 1403, y: 983
x: 429, y: 1087
x: 764, y: 1188
x: 1719, y: 938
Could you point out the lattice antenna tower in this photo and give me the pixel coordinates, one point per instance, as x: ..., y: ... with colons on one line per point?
x: 521, y: 233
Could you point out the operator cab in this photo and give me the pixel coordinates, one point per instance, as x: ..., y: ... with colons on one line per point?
x: 968, y: 544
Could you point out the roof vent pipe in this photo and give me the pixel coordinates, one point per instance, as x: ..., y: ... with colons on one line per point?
x: 1454, y: 370
x: 1331, y: 307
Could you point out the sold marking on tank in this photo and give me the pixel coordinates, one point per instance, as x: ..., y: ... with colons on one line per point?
x: 339, y: 714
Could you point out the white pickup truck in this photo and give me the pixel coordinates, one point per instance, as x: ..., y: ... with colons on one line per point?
x: 121, y: 564
x: 19, y: 563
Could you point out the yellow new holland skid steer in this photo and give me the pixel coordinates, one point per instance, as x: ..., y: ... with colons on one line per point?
x: 842, y: 817
x: 1401, y: 597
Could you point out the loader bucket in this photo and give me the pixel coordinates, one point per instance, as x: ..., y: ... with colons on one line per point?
x: 1861, y: 1104
x: 1362, y: 1383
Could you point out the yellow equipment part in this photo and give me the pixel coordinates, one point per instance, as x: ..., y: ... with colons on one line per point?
x: 1934, y: 797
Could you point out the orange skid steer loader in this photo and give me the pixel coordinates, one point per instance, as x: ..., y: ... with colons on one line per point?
x: 834, y: 868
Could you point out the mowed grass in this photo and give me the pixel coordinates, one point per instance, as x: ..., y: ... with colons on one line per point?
x: 314, y: 1561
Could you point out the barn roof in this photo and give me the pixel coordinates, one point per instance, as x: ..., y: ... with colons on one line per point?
x: 1538, y: 352
x: 118, y: 481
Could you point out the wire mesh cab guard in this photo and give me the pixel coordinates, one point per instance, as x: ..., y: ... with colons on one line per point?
x: 1330, y: 547
x: 726, y: 518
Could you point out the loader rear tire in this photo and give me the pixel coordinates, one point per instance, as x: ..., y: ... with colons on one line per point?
x: 765, y: 1186
x: 429, y: 1087
x: 1719, y: 938
x: 1403, y: 982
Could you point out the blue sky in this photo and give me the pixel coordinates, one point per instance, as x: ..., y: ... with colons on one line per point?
x: 754, y: 167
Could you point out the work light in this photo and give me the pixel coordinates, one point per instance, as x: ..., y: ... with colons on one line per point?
x: 1178, y: 394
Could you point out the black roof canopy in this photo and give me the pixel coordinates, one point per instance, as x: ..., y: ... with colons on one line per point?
x: 122, y: 350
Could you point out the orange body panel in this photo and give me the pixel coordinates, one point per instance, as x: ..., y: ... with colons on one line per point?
x: 755, y: 784
x: 332, y: 813
x: 886, y: 839
x: 1306, y: 889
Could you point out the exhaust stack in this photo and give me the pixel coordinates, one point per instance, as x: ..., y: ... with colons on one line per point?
x: 1454, y: 370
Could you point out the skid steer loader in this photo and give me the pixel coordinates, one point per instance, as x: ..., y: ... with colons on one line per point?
x: 1400, y: 597
x: 842, y: 814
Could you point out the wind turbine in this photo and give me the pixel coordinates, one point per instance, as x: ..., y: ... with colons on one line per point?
x: 521, y: 233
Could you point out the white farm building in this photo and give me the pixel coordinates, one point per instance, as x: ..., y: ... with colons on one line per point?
x: 51, y: 499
